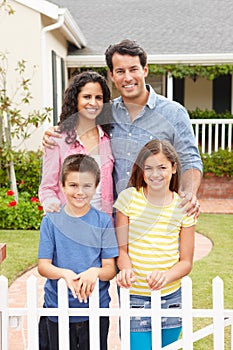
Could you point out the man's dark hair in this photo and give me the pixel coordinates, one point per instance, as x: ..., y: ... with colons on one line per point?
x: 125, y: 47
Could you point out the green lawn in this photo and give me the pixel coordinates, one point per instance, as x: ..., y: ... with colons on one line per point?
x: 22, y: 254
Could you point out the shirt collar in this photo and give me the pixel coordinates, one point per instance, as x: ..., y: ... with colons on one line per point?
x: 118, y: 102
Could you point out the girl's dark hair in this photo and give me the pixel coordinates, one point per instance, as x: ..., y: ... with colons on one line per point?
x: 125, y: 47
x: 79, y: 163
x: 151, y: 148
x: 69, y: 114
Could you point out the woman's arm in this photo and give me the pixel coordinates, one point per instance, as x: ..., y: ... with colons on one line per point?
x: 158, y: 279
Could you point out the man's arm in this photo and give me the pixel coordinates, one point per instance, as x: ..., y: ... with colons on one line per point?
x: 190, y: 183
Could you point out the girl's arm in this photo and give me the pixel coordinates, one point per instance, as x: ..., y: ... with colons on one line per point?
x: 48, y: 270
x: 86, y: 280
x: 158, y: 279
x: 126, y: 275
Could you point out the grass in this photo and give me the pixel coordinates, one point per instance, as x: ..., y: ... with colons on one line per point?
x: 219, y: 228
x: 22, y: 254
x: 21, y: 251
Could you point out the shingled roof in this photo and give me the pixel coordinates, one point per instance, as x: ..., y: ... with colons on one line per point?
x: 161, y: 27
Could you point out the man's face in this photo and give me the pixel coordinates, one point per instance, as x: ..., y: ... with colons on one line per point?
x: 128, y: 76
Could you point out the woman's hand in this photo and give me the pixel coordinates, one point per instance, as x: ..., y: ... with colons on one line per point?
x: 47, y: 142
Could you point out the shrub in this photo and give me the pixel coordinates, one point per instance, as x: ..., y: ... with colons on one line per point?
x: 27, y: 170
x: 219, y: 163
x: 25, y: 215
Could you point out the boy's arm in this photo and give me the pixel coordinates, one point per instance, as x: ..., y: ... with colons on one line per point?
x: 48, y: 270
x: 86, y: 280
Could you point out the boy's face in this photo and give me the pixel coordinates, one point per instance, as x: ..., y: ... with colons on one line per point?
x: 79, y: 189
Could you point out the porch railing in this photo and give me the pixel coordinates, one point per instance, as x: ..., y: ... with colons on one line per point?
x: 212, y: 134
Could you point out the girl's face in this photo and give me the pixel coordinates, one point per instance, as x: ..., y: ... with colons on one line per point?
x: 158, y: 172
x: 90, y: 101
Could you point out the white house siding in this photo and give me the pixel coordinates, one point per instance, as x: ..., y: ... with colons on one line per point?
x: 22, y: 40
x: 198, y: 94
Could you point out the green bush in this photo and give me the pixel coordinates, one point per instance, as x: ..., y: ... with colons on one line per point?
x: 219, y: 163
x: 27, y: 170
x: 26, y: 214
x: 207, y: 114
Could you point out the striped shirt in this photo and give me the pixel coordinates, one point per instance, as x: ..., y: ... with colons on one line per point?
x: 153, y: 236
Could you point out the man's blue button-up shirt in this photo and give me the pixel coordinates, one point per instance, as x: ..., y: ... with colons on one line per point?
x: 159, y: 119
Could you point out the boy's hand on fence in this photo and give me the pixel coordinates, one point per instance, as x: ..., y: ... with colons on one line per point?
x: 156, y: 280
x: 85, y: 283
x: 69, y: 277
x: 125, y: 278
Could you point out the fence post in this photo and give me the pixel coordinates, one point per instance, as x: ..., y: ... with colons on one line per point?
x: 124, y: 318
x: 187, y: 318
x: 63, y: 318
x: 4, y: 331
x: 218, y: 313
x: 156, y: 320
x: 94, y: 320
x: 32, y: 315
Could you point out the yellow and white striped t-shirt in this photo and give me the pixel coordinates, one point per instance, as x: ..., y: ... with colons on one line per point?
x: 153, y: 236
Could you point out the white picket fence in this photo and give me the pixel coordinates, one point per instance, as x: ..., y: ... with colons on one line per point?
x: 221, y: 317
x: 212, y: 134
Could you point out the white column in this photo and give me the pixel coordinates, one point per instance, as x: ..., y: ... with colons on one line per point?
x: 169, y: 87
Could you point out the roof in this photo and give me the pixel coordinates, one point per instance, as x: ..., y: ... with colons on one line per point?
x: 168, y: 27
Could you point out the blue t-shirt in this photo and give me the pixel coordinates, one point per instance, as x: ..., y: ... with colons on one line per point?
x: 76, y: 243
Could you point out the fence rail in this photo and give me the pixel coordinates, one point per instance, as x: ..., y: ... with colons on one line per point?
x: 221, y: 317
x: 212, y: 134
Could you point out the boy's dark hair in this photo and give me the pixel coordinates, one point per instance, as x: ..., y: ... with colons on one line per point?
x: 69, y: 114
x: 125, y: 47
x: 80, y: 163
x: 151, y: 148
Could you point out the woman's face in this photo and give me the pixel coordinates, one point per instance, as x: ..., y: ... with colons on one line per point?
x: 90, y: 101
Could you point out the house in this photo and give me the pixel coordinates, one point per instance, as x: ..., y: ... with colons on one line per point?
x: 60, y: 36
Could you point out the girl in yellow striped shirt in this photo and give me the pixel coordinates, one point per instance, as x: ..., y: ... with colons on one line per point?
x: 156, y: 239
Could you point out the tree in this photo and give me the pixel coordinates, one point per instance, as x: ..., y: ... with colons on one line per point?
x: 13, y: 122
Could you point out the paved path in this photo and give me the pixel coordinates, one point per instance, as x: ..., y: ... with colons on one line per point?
x: 17, y: 291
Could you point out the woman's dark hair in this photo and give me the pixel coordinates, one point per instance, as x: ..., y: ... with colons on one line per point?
x: 151, y: 148
x: 69, y: 114
x: 125, y: 47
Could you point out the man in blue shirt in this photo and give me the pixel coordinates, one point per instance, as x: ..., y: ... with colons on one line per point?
x: 141, y: 115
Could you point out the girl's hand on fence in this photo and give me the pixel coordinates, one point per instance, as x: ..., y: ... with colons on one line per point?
x: 125, y: 278
x: 85, y: 283
x: 156, y: 280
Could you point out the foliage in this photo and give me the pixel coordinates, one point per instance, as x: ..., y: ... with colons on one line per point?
x: 14, y: 123
x: 27, y: 169
x: 184, y: 70
x: 207, y: 114
x: 25, y: 214
x: 6, y: 6
x: 219, y: 163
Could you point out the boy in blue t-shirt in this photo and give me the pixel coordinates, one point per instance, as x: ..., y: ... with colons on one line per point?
x: 79, y: 245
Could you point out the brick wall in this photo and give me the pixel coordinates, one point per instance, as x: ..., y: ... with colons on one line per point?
x: 216, y: 187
